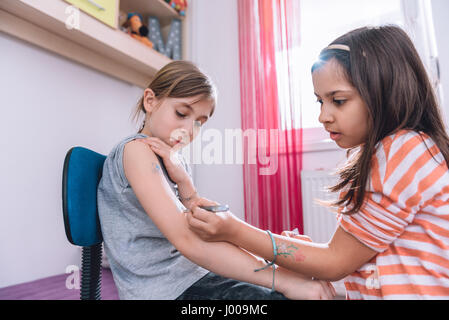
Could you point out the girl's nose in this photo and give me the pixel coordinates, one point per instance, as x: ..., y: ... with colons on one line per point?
x: 193, y: 129
x: 325, y: 115
x: 187, y: 130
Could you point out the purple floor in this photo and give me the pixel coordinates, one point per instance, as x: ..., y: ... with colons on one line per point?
x: 54, y: 288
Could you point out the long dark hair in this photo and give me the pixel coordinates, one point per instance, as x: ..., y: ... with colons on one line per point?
x: 385, y: 68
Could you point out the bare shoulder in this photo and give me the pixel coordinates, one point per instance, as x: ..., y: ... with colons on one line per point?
x: 135, y: 148
x: 139, y: 160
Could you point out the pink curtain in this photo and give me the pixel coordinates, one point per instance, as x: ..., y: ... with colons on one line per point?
x: 270, y: 105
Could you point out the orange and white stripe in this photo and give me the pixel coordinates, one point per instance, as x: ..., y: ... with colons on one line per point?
x: 405, y: 218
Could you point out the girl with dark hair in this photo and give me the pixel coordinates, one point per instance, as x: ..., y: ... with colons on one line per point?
x: 392, y: 238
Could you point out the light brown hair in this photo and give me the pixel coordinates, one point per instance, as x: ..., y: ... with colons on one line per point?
x: 179, y: 79
x: 385, y: 68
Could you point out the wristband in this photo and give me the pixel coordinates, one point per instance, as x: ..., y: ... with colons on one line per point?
x: 269, y: 264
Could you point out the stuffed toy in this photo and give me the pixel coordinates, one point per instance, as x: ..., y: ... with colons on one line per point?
x: 178, y: 5
x: 136, y: 29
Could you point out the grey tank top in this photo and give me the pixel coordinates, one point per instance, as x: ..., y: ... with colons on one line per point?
x: 144, y: 264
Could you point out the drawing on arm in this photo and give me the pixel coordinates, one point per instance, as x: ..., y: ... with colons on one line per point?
x: 290, y: 250
x: 156, y: 168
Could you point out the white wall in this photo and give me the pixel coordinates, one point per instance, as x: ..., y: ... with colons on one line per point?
x: 215, y: 49
x: 440, y: 16
x: 48, y: 105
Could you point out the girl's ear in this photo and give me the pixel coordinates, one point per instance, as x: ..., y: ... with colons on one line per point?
x: 149, y: 100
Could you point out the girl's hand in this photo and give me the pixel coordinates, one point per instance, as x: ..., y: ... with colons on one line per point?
x: 198, y: 201
x: 327, y: 286
x: 171, y: 159
x: 299, y: 287
x: 211, y: 226
x: 294, y: 235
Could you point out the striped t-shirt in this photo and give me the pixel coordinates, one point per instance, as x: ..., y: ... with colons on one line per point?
x: 405, y: 218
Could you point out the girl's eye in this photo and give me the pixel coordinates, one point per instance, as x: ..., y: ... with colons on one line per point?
x: 320, y: 101
x: 339, y: 102
x: 180, y: 115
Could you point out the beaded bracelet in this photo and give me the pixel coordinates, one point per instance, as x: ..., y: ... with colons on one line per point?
x: 269, y: 264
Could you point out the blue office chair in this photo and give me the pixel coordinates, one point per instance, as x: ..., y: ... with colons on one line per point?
x: 82, y: 173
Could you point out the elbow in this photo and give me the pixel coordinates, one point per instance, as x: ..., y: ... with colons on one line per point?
x: 334, y: 270
x: 338, y: 265
x: 330, y: 274
x: 187, y: 245
x: 182, y: 243
x: 336, y: 276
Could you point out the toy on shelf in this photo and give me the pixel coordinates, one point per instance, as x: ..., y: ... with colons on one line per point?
x: 173, y: 47
x: 136, y: 29
x: 178, y: 5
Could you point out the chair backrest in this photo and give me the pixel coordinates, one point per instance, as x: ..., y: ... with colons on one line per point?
x: 82, y: 173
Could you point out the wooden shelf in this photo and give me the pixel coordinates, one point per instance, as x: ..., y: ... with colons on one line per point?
x: 158, y: 8
x: 94, y: 44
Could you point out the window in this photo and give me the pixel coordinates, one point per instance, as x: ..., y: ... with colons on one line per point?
x: 322, y: 21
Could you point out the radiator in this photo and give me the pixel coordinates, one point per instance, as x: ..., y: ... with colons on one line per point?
x: 319, y: 222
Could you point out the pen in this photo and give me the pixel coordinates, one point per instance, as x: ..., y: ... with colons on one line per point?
x: 221, y: 208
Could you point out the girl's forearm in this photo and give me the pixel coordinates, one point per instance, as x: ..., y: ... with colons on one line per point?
x: 309, y: 259
x: 230, y: 261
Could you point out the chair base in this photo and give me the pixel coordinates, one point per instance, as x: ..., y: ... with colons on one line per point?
x: 91, y: 273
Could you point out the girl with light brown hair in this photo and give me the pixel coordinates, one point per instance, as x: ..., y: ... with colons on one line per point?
x: 143, y: 196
